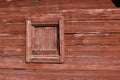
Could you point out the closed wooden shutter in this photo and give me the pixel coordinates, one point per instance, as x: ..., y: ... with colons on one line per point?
x: 45, y: 42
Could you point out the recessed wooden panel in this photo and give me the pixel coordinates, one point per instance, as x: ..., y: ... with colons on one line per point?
x: 45, y: 38
x: 44, y: 42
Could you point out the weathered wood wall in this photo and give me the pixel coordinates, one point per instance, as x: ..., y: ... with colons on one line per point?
x: 92, y: 40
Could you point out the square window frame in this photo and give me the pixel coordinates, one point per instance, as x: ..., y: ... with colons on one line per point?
x: 29, y: 30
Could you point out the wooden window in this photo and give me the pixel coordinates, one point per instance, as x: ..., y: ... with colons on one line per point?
x: 45, y: 42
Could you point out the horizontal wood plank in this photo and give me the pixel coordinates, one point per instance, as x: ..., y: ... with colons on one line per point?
x: 11, y: 53
x: 13, y: 19
x: 92, y: 48
x: 60, y: 73
x: 83, y: 4
x: 13, y: 37
x: 22, y: 17
x: 12, y: 42
x: 91, y: 14
x: 70, y: 64
x: 12, y: 48
x: 92, y: 26
x: 7, y: 77
x: 100, y: 42
x: 12, y: 32
x: 97, y: 36
x: 93, y: 54
x: 69, y: 15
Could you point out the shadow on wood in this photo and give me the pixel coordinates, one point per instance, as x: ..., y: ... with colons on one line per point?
x: 116, y: 3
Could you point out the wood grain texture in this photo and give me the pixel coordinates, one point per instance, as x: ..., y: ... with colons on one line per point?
x: 45, y: 38
x: 91, y: 14
x: 12, y: 42
x: 90, y: 36
x: 29, y: 33
x: 61, y: 73
x: 93, y: 54
x: 62, y: 4
x: 101, y: 26
x: 92, y: 42
x: 71, y: 64
x: 65, y: 75
x: 93, y: 48
x: 58, y: 78
x: 12, y: 48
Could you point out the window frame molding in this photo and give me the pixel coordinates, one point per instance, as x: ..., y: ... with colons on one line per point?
x: 29, y: 30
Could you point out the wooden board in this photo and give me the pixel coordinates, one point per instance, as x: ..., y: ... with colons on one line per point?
x: 91, y: 14
x: 100, y: 26
x: 61, y: 3
x: 90, y: 29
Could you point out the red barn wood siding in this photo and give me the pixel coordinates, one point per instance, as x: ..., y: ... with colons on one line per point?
x: 92, y: 40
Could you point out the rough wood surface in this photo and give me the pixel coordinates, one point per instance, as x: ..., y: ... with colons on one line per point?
x: 45, y: 38
x: 91, y: 34
x: 100, y: 26
x: 59, y: 3
x: 91, y: 14
x: 71, y: 64
x: 64, y: 75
